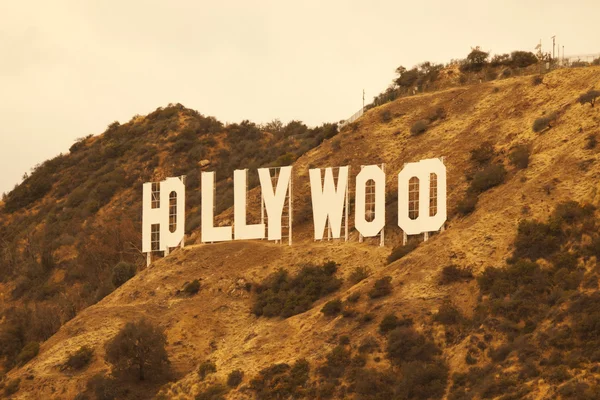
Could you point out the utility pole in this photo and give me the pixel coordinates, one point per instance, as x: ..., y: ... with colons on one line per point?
x: 553, y: 40
x: 363, y: 100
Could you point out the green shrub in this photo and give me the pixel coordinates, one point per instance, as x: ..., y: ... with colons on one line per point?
x: 487, y: 178
x: 467, y: 204
x: 382, y: 287
x: 358, y: 274
x: 235, y: 378
x: 191, y: 288
x: 419, y: 127
x: 536, y: 240
x: 332, y: 308
x: 406, y: 345
x: 542, y: 123
x: 519, y: 156
x: 337, y: 361
x: 386, y: 116
x: 423, y: 381
x: 453, y: 273
x: 138, y: 350
x: 391, y: 322
x: 81, y: 358
x: 122, y: 272
x: 483, y: 154
x: 401, y: 251
x: 589, y: 97
x: 282, y: 295
x: 29, y: 351
x: 206, y: 368
x: 280, y: 381
x: 448, y: 314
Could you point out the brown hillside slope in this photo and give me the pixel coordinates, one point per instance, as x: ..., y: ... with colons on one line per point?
x: 217, y: 323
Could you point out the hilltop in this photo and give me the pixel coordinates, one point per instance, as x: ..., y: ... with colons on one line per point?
x: 77, y: 216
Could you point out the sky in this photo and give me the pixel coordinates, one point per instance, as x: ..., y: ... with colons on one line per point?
x: 70, y: 68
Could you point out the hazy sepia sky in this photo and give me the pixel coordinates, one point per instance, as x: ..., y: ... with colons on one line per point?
x: 69, y: 68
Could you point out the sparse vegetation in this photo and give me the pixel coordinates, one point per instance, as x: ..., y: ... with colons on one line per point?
x: 381, y: 288
x: 489, y: 177
x: 519, y: 156
x: 453, y: 273
x: 591, y: 141
x: 235, y: 378
x: 206, y: 368
x: 543, y: 123
x: 401, y: 251
x: 284, y: 295
x: 80, y: 359
x: 358, y: 274
x: 419, y: 127
x: 29, y: 351
x: 483, y: 154
x: 192, y: 288
x: 332, y: 308
x: 138, y: 350
x: 122, y: 272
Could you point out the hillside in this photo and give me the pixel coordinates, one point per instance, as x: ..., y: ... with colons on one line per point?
x: 498, y: 335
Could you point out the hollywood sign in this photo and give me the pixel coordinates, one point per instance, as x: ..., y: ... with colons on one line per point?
x: 421, y: 189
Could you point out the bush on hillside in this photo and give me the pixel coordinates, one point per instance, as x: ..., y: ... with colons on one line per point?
x: 382, y: 287
x: 519, y: 156
x: 483, y: 154
x: 283, y: 295
x: 543, y: 123
x: 235, y: 378
x: 453, y: 273
x: 332, y: 308
x: 138, y: 350
x: 406, y: 345
x: 192, y: 288
x: 489, y: 177
x: 29, y: 351
x: 81, y: 358
x: 467, y: 204
x: 401, y: 251
x: 537, y: 80
x: 122, y: 272
x: 206, y: 368
x: 448, y: 314
x: 419, y: 127
x: 358, y: 274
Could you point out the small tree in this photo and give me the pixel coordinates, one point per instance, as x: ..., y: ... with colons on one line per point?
x: 332, y: 308
x: 122, y: 272
x: 138, y: 348
x: 589, y: 97
x: 381, y: 288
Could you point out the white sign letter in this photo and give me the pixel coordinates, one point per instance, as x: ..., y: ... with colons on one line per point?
x: 156, y: 212
x: 241, y: 230
x: 274, y: 200
x: 428, y: 172
x: 210, y: 233
x: 370, y: 228
x: 328, y: 201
